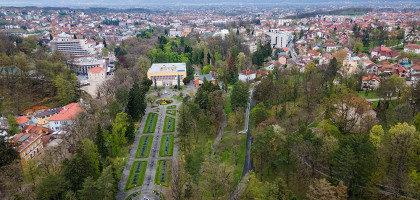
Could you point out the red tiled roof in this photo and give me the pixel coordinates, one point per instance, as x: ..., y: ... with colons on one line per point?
x: 36, y: 129
x: 416, y: 67
x: 96, y: 69
x: 68, y: 113
x: 370, y: 77
x: 412, y: 46
x: 22, y: 119
x: 23, y: 144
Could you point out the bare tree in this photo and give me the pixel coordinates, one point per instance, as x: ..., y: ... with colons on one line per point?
x: 178, y: 179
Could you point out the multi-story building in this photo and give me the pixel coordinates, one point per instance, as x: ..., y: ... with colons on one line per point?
x: 167, y: 74
x: 29, y: 146
x: 65, y: 116
x: 42, y: 117
x: 278, y: 39
x: 81, y: 66
x: 72, y: 47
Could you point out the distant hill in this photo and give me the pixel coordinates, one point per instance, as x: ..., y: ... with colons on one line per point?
x: 346, y: 11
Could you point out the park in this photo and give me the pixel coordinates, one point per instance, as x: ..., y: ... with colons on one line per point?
x: 145, y: 144
x: 150, y: 125
x: 136, y: 177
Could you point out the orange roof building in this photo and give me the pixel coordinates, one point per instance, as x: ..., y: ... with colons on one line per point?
x: 29, y: 146
x: 65, y: 116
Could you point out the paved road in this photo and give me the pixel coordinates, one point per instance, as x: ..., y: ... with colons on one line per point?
x: 148, y: 183
x: 381, y: 99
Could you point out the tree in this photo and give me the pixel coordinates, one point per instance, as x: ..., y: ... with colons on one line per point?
x: 259, y: 114
x: 13, y: 125
x: 105, y: 187
x: 178, y: 179
x: 240, y: 95
x: 358, y: 48
x: 85, y: 162
x: 206, y: 69
x: 7, y: 153
x: 235, y: 120
x: 114, y: 108
x: 186, y: 80
x: 321, y: 189
x: 100, y: 142
x: 117, y: 136
x: 65, y: 90
x: 217, y: 179
x: 130, y: 132
x: 376, y: 135
x: 52, y: 187
x: 136, y: 105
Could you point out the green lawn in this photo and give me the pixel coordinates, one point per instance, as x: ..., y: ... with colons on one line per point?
x: 170, y: 144
x: 163, y: 173
x: 171, y: 112
x: 159, y: 194
x: 132, y: 196
x: 225, y: 152
x: 147, y: 147
x: 370, y: 95
x: 136, y: 177
x: 178, y: 98
x: 171, y: 107
x: 169, y: 127
x: 150, y: 125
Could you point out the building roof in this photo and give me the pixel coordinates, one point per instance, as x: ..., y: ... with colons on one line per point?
x: 68, y: 113
x: 167, y: 67
x: 22, y: 119
x: 371, y: 77
x: 24, y: 139
x: 96, y: 70
x: 47, y: 113
x: 412, y: 46
x: 36, y: 129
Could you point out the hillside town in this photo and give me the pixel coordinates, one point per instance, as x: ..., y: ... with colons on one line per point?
x: 157, y: 102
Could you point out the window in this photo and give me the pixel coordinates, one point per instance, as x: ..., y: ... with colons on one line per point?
x: 23, y: 154
x: 27, y: 151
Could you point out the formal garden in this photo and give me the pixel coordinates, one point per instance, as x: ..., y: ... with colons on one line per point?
x: 169, y: 124
x: 136, y: 177
x: 166, y: 145
x: 171, y: 112
x: 145, y: 144
x: 133, y: 196
x: 151, y: 121
x: 171, y: 107
x: 163, y: 173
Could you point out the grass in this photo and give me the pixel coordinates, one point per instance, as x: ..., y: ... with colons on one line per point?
x: 170, y: 145
x: 225, y: 152
x: 135, y: 194
x: 159, y: 171
x: 315, y: 123
x: 150, y: 116
x: 171, y: 112
x: 148, y: 146
x: 178, y: 98
x: 129, y: 185
x: 227, y: 107
x: 171, y: 107
x: 370, y: 95
x: 166, y: 123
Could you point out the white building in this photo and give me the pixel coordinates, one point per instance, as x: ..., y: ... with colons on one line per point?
x: 72, y: 47
x: 97, y: 74
x: 64, y: 117
x: 81, y: 66
x: 278, y: 39
x: 247, y: 76
x: 167, y: 74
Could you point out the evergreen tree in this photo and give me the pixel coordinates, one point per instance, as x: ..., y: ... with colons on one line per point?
x: 136, y: 105
x: 7, y: 153
x: 239, y: 96
x: 130, y: 133
x: 13, y: 125
x: 100, y: 142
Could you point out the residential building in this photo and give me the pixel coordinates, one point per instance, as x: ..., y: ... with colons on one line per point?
x: 29, y: 146
x: 412, y: 48
x: 198, y: 79
x: 22, y: 121
x: 72, y: 47
x: 247, y: 75
x: 350, y: 65
x: 65, y: 116
x: 370, y: 82
x: 42, y: 117
x: 167, y: 74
